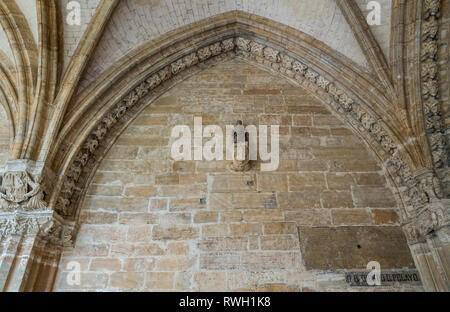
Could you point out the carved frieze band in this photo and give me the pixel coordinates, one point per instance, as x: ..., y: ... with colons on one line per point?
x: 47, y: 225
x: 430, y: 83
x: 416, y: 193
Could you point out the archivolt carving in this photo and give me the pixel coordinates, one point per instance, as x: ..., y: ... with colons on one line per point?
x: 430, y: 84
x: 415, y: 193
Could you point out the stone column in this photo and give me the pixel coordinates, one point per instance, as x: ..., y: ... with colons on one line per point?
x: 428, y: 232
x: 31, y: 235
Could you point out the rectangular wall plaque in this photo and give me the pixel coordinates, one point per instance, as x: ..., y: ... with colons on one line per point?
x: 387, y: 278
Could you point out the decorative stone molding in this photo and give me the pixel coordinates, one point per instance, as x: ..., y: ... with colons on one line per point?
x: 23, y: 209
x: 64, y: 204
x: 20, y: 191
x: 48, y: 226
x: 430, y: 85
x: 415, y: 192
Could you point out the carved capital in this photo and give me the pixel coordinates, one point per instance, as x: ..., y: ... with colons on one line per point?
x: 48, y: 226
x: 21, y: 187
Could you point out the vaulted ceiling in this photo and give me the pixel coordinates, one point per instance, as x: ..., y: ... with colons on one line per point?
x: 135, y: 22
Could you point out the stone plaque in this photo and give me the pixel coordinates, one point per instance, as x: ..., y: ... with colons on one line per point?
x: 353, y: 247
x: 386, y: 277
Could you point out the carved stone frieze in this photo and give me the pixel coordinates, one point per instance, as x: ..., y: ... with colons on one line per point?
x: 48, y: 226
x: 430, y: 84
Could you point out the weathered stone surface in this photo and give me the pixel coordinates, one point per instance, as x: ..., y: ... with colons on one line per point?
x: 184, y: 224
x: 354, y: 247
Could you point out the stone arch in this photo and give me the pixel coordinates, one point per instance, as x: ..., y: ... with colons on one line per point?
x: 104, y: 109
x: 181, y: 242
x: 5, y: 140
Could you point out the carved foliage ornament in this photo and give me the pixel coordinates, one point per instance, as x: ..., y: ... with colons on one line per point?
x: 47, y: 227
x: 64, y: 203
x: 430, y: 84
x: 367, y: 124
x: 19, y: 191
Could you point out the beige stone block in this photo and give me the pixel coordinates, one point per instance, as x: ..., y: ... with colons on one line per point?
x: 174, y: 263
x: 312, y: 165
x: 233, y: 216
x: 186, y: 204
x: 167, y: 179
x: 210, y: 281
x: 299, y: 200
x: 104, y: 190
x: 277, y: 228
x: 177, y: 248
x: 370, y: 179
x: 385, y: 216
x: 223, y: 260
x: 98, y: 217
x: 206, y: 217
x: 137, y: 218
x: 279, y: 242
x: 122, y: 249
x: 339, y: 181
x: 183, y: 166
x: 376, y: 197
x: 105, y: 264
x: 306, y: 181
x: 141, y: 191
x: 148, y: 249
x: 233, y: 183
x: 223, y: 244
x: 311, y: 217
x: 270, y: 260
x: 159, y: 280
x: 351, y: 216
x: 158, y: 204
x: 337, y: 199
x: 220, y: 201
x: 189, y: 178
x: 178, y: 191
x: 353, y: 165
x: 272, y: 182
x: 340, y: 154
x: 175, y: 232
x: 245, y: 229
x: 214, y: 230
x: 302, y: 120
x: 122, y: 152
x: 254, y: 200
x: 139, y: 234
x: 138, y: 264
x: 263, y: 215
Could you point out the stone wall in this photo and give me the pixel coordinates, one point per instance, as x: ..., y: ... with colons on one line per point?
x: 152, y: 223
x: 4, y: 136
